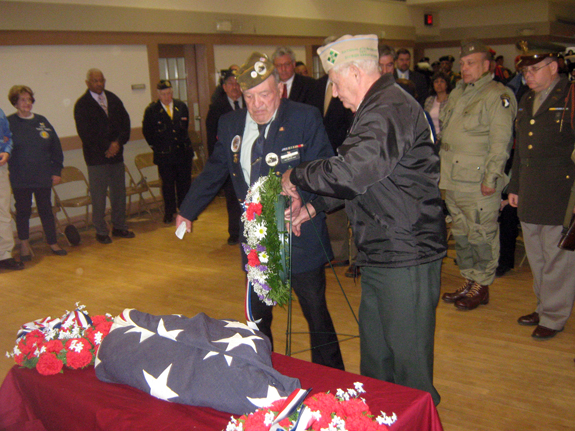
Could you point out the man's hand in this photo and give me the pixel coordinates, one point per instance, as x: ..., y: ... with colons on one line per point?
x: 288, y: 188
x: 513, y: 200
x: 294, y: 208
x: 113, y: 149
x: 306, y: 213
x: 4, y: 158
x: 56, y: 179
x: 180, y: 219
x: 486, y: 191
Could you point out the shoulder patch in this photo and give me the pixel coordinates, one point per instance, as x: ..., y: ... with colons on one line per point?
x: 505, y: 101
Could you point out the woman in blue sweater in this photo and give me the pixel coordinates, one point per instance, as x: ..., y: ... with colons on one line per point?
x: 35, y: 165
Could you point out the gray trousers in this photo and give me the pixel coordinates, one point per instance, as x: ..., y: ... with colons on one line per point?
x: 553, y: 274
x: 476, y: 233
x: 103, y: 178
x: 397, y: 324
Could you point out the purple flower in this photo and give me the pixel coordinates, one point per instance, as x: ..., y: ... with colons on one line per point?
x: 246, y: 248
x: 260, y: 248
x: 262, y: 268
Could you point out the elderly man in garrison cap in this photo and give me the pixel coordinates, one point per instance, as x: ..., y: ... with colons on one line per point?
x: 541, y: 184
x: 165, y: 127
x: 273, y: 133
x: 475, y: 144
x: 386, y: 174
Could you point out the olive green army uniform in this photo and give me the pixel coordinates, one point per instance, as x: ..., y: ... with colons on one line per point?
x: 476, y: 140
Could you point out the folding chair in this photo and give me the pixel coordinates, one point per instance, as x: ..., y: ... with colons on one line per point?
x: 72, y: 181
x: 133, y: 188
x: 143, y: 163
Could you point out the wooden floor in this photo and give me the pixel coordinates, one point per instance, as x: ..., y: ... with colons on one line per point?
x: 490, y: 373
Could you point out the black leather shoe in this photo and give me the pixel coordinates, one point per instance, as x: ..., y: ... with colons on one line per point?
x: 543, y: 333
x: 502, y: 270
x: 103, y: 239
x: 11, y: 263
x: 123, y: 233
x: 233, y: 240
x: 168, y: 219
x: 529, y: 319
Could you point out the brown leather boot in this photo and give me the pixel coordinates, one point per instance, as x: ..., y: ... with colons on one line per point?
x: 478, y: 294
x: 459, y: 293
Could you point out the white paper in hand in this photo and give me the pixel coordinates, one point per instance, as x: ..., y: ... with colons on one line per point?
x: 181, y: 230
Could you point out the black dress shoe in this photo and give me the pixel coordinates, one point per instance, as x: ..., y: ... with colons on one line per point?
x: 168, y: 219
x: 11, y: 263
x: 103, y: 239
x: 233, y: 240
x: 123, y: 233
x: 543, y: 333
x: 502, y: 270
x: 529, y: 319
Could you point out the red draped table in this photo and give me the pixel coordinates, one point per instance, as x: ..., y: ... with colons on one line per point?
x: 77, y: 400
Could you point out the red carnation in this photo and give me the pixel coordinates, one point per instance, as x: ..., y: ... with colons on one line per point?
x: 352, y: 407
x: 26, y: 348
x: 19, y: 358
x: 255, y: 421
x: 97, y: 320
x: 104, y: 328
x: 54, y: 346
x: 49, y: 364
x: 253, y: 259
x: 253, y: 209
x: 78, y: 355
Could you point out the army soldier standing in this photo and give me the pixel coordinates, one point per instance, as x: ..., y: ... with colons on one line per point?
x: 476, y: 140
x: 541, y: 182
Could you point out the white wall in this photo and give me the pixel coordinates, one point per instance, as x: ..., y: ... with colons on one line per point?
x: 57, y: 76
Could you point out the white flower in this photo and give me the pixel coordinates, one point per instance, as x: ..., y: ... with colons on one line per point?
x: 263, y: 257
x: 76, y: 346
x: 359, y: 387
x: 8, y: 355
x: 386, y: 420
x: 269, y: 418
x: 340, y: 393
x: 98, y: 337
x: 260, y: 231
x: 352, y: 393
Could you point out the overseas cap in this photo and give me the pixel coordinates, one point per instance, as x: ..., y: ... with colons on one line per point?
x: 348, y: 48
x: 534, y: 52
x: 163, y: 84
x: 225, y: 74
x: 472, y: 46
x: 447, y: 58
x: 254, y: 71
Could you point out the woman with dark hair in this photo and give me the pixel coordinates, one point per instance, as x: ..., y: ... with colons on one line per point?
x: 435, y: 103
x: 35, y: 165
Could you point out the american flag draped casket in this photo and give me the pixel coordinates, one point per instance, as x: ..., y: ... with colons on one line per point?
x: 198, y: 361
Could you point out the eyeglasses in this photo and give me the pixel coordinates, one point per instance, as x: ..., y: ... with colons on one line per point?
x: 532, y: 69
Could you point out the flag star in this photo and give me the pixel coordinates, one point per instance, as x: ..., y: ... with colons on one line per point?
x: 238, y: 340
x: 272, y: 396
x: 144, y: 333
x: 210, y: 354
x: 159, y: 386
x: 234, y: 324
x: 162, y: 332
x: 229, y: 360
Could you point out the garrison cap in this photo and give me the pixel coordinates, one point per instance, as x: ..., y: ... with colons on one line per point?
x: 349, y: 48
x: 447, y: 58
x: 163, y: 84
x: 254, y: 71
x: 225, y: 74
x: 472, y: 46
x: 532, y: 52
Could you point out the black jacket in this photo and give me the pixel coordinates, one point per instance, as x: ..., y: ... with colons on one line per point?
x: 98, y: 130
x: 302, y: 89
x: 220, y: 107
x: 167, y: 136
x: 387, y: 170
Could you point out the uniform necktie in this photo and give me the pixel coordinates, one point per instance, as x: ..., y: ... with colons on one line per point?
x: 236, y: 105
x: 102, y: 102
x: 328, y: 96
x: 258, y: 153
x: 284, y: 93
x: 169, y: 111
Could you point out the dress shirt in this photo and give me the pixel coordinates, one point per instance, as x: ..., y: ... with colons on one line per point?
x: 169, y: 109
x: 250, y: 135
x: 232, y: 103
x: 288, y: 84
x: 97, y: 97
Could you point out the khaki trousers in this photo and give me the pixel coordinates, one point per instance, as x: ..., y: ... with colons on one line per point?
x: 476, y: 233
x: 6, y: 233
x: 553, y: 274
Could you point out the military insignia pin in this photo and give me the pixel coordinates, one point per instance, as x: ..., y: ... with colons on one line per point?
x: 505, y: 101
x: 260, y: 68
x: 272, y: 159
x: 236, y: 142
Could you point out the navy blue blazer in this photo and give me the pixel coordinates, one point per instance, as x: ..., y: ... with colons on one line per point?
x: 295, y: 124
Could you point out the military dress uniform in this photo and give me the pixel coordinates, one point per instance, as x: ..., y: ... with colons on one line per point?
x: 542, y: 177
x: 476, y: 140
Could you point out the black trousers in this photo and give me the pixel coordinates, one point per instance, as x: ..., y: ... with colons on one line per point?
x: 176, y: 181
x: 234, y: 209
x: 310, y: 290
x: 23, y: 203
x: 508, y: 231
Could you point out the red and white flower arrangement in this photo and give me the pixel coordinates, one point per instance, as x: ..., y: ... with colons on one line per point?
x: 72, y: 340
x: 344, y: 411
x: 265, y: 242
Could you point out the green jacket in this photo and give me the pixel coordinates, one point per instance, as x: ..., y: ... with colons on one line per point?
x: 476, y: 135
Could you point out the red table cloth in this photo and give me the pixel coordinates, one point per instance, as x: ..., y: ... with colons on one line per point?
x: 77, y: 400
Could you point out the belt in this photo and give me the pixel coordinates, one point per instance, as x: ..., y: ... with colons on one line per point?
x: 551, y: 161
